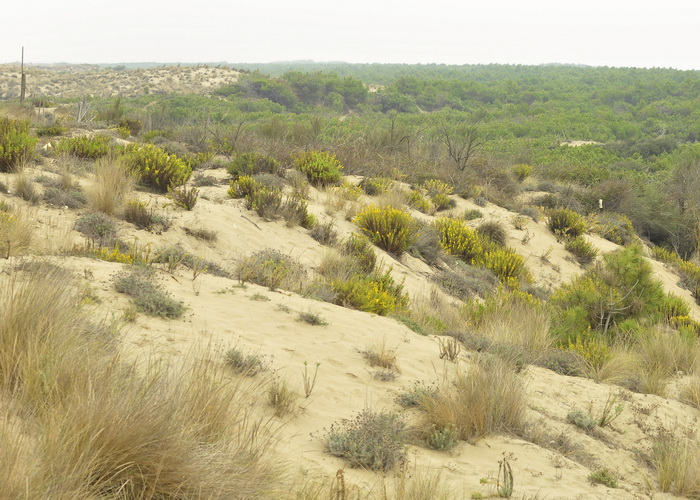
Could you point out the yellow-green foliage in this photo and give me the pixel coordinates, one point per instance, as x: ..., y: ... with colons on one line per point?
x: 496, y: 304
x: 522, y: 171
x: 243, y: 186
x: 86, y: 147
x: 389, y: 228
x: 581, y: 249
x: 458, y: 239
x: 376, y: 185
x: 419, y: 202
x: 156, y: 168
x: 689, y: 272
x: 594, y: 350
x: 439, y: 193
x: 348, y: 191
x: 565, y: 222
x: 375, y: 293
x: 321, y: 168
x: 505, y: 263
x: 252, y: 163
x: 16, y: 145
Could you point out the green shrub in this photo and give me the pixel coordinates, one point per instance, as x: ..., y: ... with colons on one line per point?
x: 493, y: 231
x: 458, y: 239
x: 100, y: 228
x: 186, y: 198
x: 439, y: 193
x: 582, y: 420
x: 615, y: 227
x: 51, y: 130
x: 389, y: 228
x: 89, y: 148
x: 371, y: 440
x: 243, y: 186
x: 417, y: 201
x: 155, y: 168
x: 374, y: 186
x: 245, y: 364
x: 252, y: 163
x: 566, y: 223
x: 504, y: 263
x: 139, y: 214
x: 581, y: 249
x: 375, y: 293
x: 321, y: 168
x: 140, y: 285
x: 472, y: 214
x: 360, y: 247
x: 522, y: 171
x: 133, y: 126
x: 16, y: 144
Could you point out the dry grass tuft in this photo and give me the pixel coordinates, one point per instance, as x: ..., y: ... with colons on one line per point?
x: 112, y: 186
x: 15, y: 232
x: 677, y: 464
x: 488, y: 397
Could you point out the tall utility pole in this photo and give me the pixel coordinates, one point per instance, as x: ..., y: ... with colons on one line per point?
x: 24, y: 81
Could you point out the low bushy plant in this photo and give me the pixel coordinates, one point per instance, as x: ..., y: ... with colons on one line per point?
x: 389, y: 228
x: 155, y: 168
x: 375, y: 293
x: 139, y: 214
x: 417, y: 201
x: 148, y: 295
x: 458, y: 239
x: 273, y: 269
x: 566, y: 223
x: 439, y: 193
x: 248, y: 164
x: 360, y: 247
x: 186, y: 198
x: 582, y: 250
x: 372, y: 440
x: 522, y: 171
x: 16, y: 143
x: 494, y: 232
x: 321, y: 168
x: 86, y: 147
x: 98, y: 227
x: 615, y: 227
x: 374, y: 186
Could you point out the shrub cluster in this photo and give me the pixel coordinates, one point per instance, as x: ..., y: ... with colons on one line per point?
x: 321, y: 168
x: 273, y: 269
x: 581, y: 249
x: 389, y: 228
x: 16, y: 144
x: 439, y: 193
x: 566, y: 223
x: 374, y: 293
x: 86, y: 147
x: 458, y: 239
x: 251, y: 164
x: 140, y: 285
x: 155, y: 168
x: 371, y: 440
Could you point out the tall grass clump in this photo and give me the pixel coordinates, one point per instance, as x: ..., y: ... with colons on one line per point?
x: 112, y: 185
x: 389, y: 228
x: 16, y: 143
x: 86, y: 147
x: 155, y: 168
x: 676, y: 460
x: 15, y: 233
x: 321, y: 168
x: 488, y: 397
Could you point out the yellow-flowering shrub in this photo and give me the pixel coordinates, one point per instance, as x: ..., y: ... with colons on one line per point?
x: 419, y: 202
x: 376, y: 185
x: 389, y: 228
x: 594, y: 350
x: 348, y: 191
x: 374, y: 293
x: 243, y: 186
x: 505, y: 263
x: 522, y: 171
x: 458, y: 239
x: 155, y: 167
x: 321, y: 168
x: 439, y: 193
x: 565, y: 222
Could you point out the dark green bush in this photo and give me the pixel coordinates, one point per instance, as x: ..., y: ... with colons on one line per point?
x: 16, y: 144
x: 581, y: 249
x: 389, y: 228
x: 566, y: 223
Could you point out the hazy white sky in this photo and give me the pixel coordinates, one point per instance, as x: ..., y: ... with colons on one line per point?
x: 596, y: 32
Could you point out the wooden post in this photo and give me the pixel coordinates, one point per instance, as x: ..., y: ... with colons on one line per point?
x: 24, y: 82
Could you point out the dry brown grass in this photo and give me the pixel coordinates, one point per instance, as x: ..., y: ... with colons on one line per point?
x: 676, y: 460
x: 112, y: 185
x: 102, y: 428
x: 16, y: 230
x: 488, y: 397
x: 690, y: 391
x: 523, y: 325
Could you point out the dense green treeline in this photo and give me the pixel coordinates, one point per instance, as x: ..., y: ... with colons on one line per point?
x: 470, y: 125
